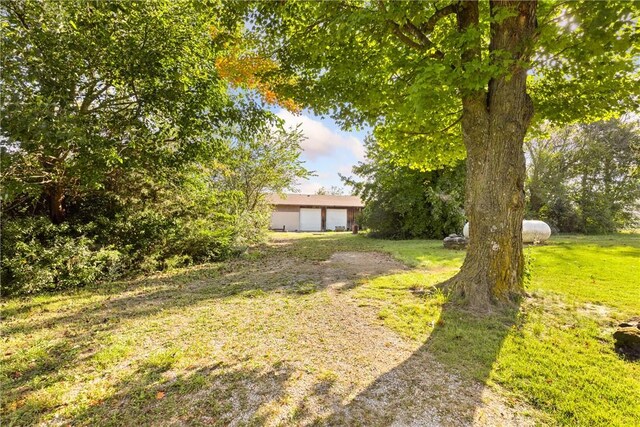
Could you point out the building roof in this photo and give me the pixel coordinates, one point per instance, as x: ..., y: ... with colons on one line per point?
x: 315, y: 200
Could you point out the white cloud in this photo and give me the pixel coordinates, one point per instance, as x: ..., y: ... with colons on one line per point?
x: 313, y: 184
x: 345, y: 170
x: 308, y: 187
x: 322, y: 141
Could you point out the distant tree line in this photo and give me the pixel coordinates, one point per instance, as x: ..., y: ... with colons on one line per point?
x: 123, y: 147
x: 586, y: 178
x: 334, y: 190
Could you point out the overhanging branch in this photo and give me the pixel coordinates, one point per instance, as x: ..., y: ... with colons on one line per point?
x: 431, y: 23
x: 397, y: 29
x: 418, y: 37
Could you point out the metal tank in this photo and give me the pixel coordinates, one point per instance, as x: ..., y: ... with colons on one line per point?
x: 532, y: 231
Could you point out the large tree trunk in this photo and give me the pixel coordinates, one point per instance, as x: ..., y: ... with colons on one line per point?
x: 494, y: 124
x: 55, y: 200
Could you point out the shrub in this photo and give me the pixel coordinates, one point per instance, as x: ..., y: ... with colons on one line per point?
x: 414, y: 204
x: 183, y: 229
x: 201, y: 240
x: 40, y: 256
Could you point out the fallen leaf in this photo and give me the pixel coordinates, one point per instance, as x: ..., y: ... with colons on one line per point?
x: 160, y: 395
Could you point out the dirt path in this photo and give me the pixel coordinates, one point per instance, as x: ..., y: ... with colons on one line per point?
x: 349, y: 369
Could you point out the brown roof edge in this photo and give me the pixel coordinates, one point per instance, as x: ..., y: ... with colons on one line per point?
x: 314, y: 200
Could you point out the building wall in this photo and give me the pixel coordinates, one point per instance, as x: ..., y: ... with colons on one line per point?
x: 287, y: 220
x: 351, y: 216
x: 286, y: 208
x: 289, y: 216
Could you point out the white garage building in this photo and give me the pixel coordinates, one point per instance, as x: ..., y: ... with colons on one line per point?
x: 313, y: 212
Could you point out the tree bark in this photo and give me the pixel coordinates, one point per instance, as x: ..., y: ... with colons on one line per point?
x: 494, y: 124
x: 55, y: 200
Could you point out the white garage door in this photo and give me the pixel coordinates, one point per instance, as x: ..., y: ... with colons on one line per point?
x: 310, y: 219
x: 336, y: 218
x: 289, y: 220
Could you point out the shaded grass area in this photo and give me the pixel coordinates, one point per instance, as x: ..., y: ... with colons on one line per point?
x: 222, y: 343
x: 165, y: 349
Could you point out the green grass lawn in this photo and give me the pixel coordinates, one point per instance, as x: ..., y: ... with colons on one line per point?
x: 556, y: 352
x: 264, y: 341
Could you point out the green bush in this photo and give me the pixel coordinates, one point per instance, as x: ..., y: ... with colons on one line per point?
x: 40, y: 256
x: 559, y: 213
x: 402, y: 202
x: 415, y: 204
x: 201, y: 241
x: 185, y: 228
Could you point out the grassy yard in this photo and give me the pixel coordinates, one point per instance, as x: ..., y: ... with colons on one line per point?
x: 323, y: 329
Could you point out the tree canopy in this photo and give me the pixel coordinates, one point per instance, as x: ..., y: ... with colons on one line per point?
x: 406, y: 203
x: 398, y: 67
x: 90, y: 88
x: 126, y: 145
x: 584, y: 177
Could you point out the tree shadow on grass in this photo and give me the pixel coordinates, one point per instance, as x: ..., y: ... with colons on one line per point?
x: 73, y: 334
x: 441, y: 383
x: 213, y: 395
x: 151, y: 295
x: 43, y: 367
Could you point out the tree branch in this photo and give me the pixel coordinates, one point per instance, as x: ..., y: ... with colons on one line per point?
x: 431, y: 23
x: 458, y: 120
x: 423, y: 42
x: 20, y: 15
x: 91, y: 96
x: 404, y: 38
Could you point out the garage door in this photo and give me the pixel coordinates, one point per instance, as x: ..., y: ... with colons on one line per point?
x: 288, y: 220
x: 336, y: 218
x: 310, y: 219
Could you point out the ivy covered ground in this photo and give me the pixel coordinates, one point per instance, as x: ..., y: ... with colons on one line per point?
x: 330, y: 329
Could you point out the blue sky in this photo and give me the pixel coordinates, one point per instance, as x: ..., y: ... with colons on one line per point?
x: 327, y: 149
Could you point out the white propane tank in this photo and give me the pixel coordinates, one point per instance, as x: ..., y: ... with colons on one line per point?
x: 532, y: 231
